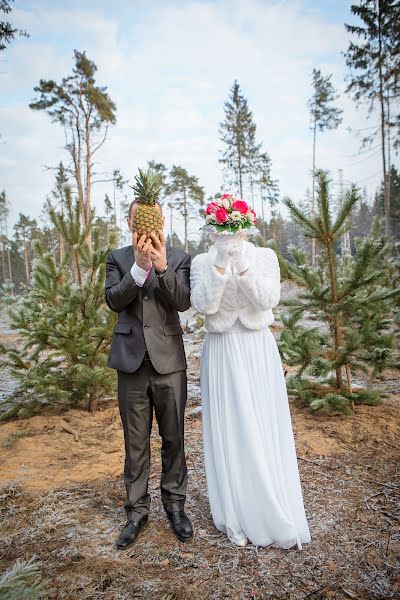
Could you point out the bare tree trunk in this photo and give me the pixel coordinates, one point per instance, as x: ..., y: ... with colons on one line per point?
x: 88, y: 184
x: 62, y: 248
x: 239, y: 151
x: 337, y: 330
x: 76, y: 153
x: 170, y: 223
x: 313, y: 249
x: 27, y: 270
x: 262, y: 213
x: 53, y: 248
x: 383, y: 124
x: 9, y: 255
x: 3, y: 258
x: 185, y: 217
x: 78, y: 269
x: 389, y: 175
x: 92, y: 404
x: 9, y: 265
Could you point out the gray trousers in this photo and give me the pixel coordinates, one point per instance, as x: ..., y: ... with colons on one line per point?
x: 138, y: 394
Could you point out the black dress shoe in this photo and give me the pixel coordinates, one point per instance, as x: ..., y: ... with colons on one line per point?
x: 130, y: 532
x: 181, y: 525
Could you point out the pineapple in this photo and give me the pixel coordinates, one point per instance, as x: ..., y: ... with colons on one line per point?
x: 147, y: 217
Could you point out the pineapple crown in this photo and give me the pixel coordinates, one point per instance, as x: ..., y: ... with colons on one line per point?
x: 148, y: 186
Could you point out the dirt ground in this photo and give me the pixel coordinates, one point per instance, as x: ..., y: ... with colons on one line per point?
x: 62, y: 494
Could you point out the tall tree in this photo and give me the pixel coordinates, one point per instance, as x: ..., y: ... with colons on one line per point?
x: 108, y: 209
x: 26, y: 230
x: 6, y: 260
x: 379, y: 203
x: 237, y: 133
x: 268, y: 187
x: 85, y: 111
x: 187, y: 196
x: 374, y: 72
x: 324, y: 115
x: 8, y: 32
x: 59, y: 199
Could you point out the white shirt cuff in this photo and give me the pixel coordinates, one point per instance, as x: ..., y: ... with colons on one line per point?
x: 139, y: 275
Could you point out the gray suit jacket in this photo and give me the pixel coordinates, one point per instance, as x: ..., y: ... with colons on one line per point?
x: 147, y: 316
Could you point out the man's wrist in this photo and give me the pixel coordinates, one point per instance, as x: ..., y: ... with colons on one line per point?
x: 139, y: 274
x: 160, y: 272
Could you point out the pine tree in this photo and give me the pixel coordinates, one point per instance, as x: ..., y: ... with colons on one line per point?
x: 268, y: 187
x: 187, y: 196
x: 23, y: 580
x: 108, y: 208
x: 8, y: 32
x: 85, y: 111
x: 323, y: 116
x: 379, y: 205
x: 6, y: 254
x: 26, y: 230
x: 237, y: 133
x: 58, y: 195
x: 350, y: 297
x: 374, y: 73
x: 63, y: 321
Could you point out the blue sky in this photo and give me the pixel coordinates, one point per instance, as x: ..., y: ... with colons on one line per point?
x: 169, y: 67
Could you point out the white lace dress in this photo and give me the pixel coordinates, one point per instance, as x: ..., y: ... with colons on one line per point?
x: 251, y: 466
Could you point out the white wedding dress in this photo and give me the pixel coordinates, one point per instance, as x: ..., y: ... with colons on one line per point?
x: 251, y: 466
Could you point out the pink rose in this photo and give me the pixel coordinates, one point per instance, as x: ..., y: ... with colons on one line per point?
x: 211, y: 208
x: 241, y: 206
x: 221, y: 215
x: 225, y: 196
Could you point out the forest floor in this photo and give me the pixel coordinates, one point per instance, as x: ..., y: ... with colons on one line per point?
x: 62, y: 494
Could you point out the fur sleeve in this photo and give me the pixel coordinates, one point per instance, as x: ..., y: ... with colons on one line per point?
x: 207, y: 285
x: 261, y: 282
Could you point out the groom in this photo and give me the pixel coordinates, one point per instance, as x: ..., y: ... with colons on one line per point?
x: 147, y: 284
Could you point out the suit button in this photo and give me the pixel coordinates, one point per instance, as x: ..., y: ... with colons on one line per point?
x: 146, y: 298
x: 146, y: 326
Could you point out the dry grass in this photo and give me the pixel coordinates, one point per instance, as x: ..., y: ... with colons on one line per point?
x: 351, y: 499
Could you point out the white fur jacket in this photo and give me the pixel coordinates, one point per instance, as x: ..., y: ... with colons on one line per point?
x: 223, y: 298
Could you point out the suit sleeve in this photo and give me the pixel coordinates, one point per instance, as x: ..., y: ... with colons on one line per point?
x: 119, y: 291
x: 261, y: 282
x: 176, y: 285
x: 207, y: 285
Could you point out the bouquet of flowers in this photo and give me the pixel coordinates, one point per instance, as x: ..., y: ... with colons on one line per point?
x: 229, y: 215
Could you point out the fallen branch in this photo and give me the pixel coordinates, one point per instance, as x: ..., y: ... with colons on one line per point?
x: 69, y: 429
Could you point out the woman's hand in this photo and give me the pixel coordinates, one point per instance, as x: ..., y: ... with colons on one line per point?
x: 229, y: 249
x: 238, y: 259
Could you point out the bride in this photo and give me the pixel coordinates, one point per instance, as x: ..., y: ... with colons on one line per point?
x: 250, y: 458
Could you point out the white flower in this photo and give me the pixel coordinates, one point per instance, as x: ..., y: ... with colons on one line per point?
x: 250, y: 216
x: 236, y: 216
x: 211, y: 219
x: 225, y: 202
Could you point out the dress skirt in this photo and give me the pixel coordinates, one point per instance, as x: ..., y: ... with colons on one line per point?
x: 252, y: 474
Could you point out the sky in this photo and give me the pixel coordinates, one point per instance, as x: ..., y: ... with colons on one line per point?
x: 168, y: 66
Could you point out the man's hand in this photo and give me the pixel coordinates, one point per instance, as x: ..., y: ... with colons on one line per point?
x: 142, y: 250
x: 159, y: 251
